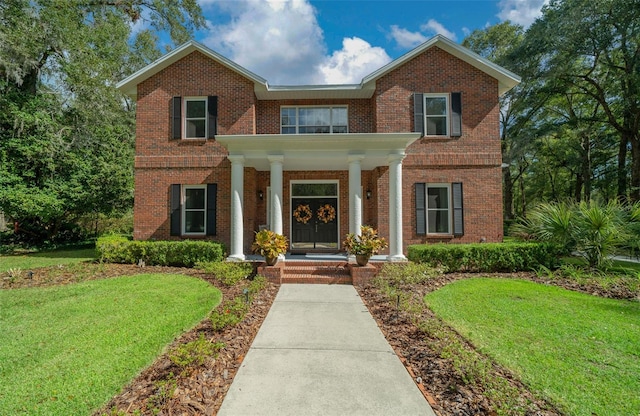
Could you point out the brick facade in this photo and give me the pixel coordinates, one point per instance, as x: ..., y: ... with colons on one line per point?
x: 473, y: 159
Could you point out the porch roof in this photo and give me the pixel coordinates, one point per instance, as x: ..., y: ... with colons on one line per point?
x: 317, y: 151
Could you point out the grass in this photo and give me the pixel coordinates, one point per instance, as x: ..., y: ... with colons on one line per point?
x: 66, y: 350
x: 580, y: 352
x: 46, y: 258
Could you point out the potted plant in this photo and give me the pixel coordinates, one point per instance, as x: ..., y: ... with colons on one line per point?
x: 270, y: 245
x: 365, y: 245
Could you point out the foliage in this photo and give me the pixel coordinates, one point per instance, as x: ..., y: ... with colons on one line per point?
x: 228, y: 314
x: 194, y: 352
x: 185, y: 253
x: 269, y: 244
x: 399, y: 274
x: 229, y: 273
x: 367, y: 243
x: 577, y: 351
x: 486, y: 257
x: 596, y: 231
x: 66, y: 350
x: 66, y: 133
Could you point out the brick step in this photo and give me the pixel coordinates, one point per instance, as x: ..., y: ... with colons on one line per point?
x: 316, y: 272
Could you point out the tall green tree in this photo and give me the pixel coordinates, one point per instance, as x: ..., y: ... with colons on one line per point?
x: 593, y: 48
x: 66, y: 133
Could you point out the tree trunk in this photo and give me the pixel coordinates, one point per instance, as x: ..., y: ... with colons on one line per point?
x: 507, y: 196
x: 634, y: 192
x: 622, y: 168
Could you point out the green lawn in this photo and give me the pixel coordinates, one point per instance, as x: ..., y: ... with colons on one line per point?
x: 46, y: 258
x: 66, y: 350
x: 580, y: 352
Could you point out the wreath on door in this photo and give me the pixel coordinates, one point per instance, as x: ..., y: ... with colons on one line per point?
x: 302, y: 213
x: 326, y: 213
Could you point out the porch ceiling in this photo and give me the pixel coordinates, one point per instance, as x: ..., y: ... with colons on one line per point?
x: 317, y: 151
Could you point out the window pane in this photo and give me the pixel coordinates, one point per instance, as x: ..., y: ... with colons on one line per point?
x: 314, y: 129
x: 435, y: 106
x: 288, y: 116
x: 314, y: 117
x: 438, y: 222
x: 339, y: 129
x: 314, y: 189
x: 196, y: 109
x: 339, y: 116
x: 194, y: 198
x: 288, y: 130
x: 436, y: 126
x: 196, y: 128
x: 438, y: 197
x: 194, y: 222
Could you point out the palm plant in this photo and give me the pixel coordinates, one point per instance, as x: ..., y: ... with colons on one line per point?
x: 599, y: 231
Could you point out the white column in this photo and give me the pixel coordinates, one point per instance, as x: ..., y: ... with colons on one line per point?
x: 237, y: 221
x: 276, y: 192
x: 355, y: 194
x: 395, y: 207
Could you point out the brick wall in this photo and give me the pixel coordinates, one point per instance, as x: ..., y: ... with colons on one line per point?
x: 473, y: 159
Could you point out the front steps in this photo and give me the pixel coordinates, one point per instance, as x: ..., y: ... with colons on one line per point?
x: 318, y: 272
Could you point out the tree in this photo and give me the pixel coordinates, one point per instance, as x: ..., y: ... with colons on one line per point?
x: 593, y: 48
x: 66, y: 133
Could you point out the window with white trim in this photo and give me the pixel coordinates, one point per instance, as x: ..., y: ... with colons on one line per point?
x: 436, y: 114
x: 195, y: 118
x: 314, y: 120
x: 439, y: 208
x: 194, y: 210
x: 438, y: 213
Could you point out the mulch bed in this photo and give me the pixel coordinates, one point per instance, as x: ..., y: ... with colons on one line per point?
x: 201, y: 389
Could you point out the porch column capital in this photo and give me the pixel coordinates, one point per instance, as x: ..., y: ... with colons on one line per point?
x: 275, y: 159
x: 355, y: 158
x: 234, y: 159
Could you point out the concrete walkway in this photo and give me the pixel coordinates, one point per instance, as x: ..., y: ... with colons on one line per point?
x: 319, y: 352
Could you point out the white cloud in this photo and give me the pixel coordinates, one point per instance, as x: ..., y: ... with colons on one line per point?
x: 433, y: 26
x: 522, y: 12
x: 405, y: 38
x: 281, y: 41
x: 355, y: 60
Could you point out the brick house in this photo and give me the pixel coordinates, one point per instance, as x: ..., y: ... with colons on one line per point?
x: 413, y: 149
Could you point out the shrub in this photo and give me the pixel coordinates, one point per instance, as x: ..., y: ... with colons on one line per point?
x: 229, y: 313
x: 118, y: 249
x: 486, y: 257
x: 194, y: 352
x: 229, y: 273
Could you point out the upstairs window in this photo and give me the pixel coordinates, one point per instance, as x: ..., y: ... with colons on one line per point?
x: 438, y: 114
x: 194, y: 117
x: 313, y: 120
x: 195, y: 120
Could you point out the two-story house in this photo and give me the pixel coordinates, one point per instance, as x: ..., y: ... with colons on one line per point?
x: 413, y: 150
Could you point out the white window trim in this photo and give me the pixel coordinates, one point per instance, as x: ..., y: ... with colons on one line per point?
x: 183, y: 203
x: 449, y: 208
x: 425, y: 96
x: 297, y: 125
x: 184, y: 117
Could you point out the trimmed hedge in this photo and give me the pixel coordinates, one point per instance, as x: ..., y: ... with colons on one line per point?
x: 118, y: 249
x: 486, y: 257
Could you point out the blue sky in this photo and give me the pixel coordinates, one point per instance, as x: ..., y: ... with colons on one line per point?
x: 294, y: 42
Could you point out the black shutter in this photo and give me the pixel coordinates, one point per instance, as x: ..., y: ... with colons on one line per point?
x: 176, y: 118
x: 418, y: 113
x: 456, y: 114
x: 176, y: 210
x: 212, y: 108
x: 421, y: 212
x: 212, y: 195
x: 458, y: 213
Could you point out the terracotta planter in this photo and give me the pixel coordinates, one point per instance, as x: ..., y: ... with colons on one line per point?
x: 362, y: 259
x: 271, y: 260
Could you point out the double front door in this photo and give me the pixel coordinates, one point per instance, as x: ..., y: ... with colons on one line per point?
x: 314, y: 223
